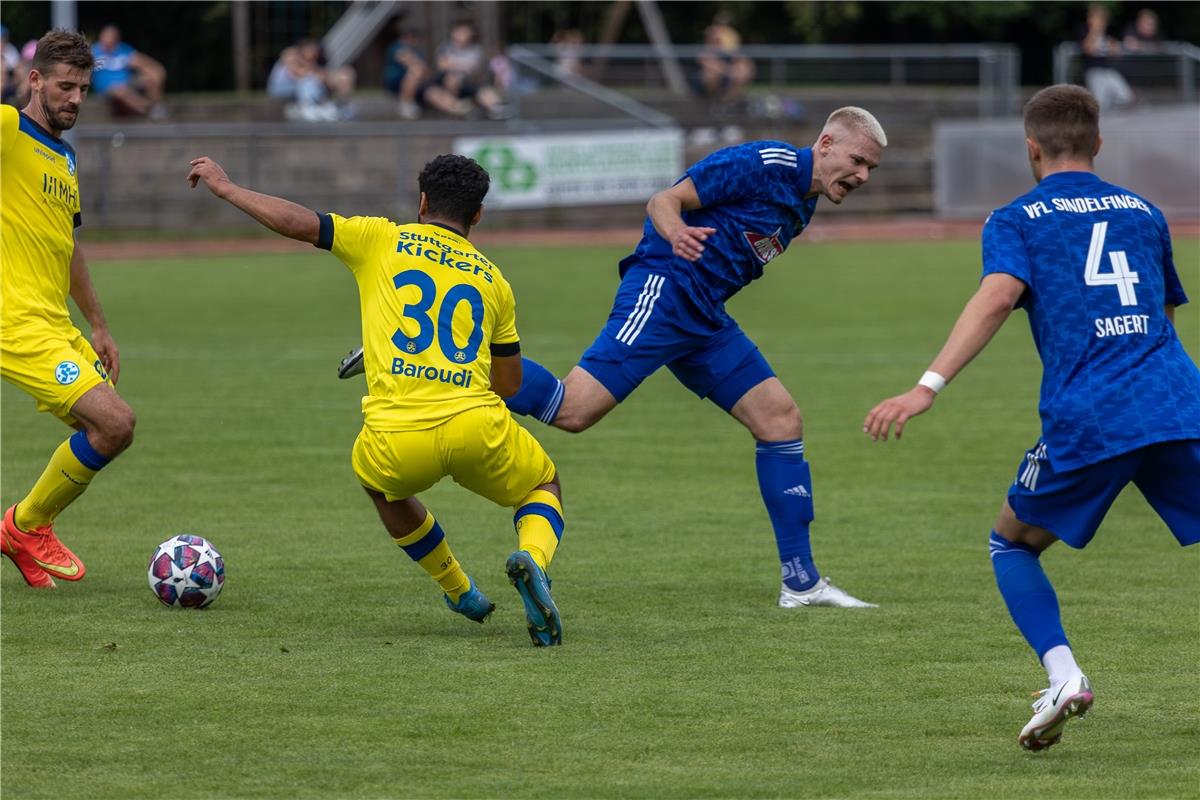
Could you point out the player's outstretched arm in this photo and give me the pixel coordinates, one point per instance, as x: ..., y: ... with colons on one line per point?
x: 83, y: 292
x: 665, y: 210
x: 983, y: 315
x: 282, y: 216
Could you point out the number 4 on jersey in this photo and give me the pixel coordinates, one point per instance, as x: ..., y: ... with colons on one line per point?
x: 1121, y: 277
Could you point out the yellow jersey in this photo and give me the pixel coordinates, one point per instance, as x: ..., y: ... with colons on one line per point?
x: 39, y: 211
x: 434, y: 312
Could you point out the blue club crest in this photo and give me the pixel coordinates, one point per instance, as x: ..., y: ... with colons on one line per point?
x: 67, y: 372
x: 70, y: 163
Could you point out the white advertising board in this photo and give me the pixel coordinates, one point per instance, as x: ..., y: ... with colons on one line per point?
x: 576, y: 169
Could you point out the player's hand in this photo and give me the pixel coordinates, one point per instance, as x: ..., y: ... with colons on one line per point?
x: 209, y: 171
x: 688, y: 242
x: 897, y: 411
x: 106, y: 348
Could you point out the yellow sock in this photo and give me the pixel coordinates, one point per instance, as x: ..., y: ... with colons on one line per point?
x: 428, y: 547
x: 63, y: 480
x: 539, y: 524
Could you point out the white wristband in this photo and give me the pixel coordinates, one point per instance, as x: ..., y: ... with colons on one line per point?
x: 932, y: 381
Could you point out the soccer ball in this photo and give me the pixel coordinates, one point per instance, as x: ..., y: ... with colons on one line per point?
x: 186, y: 571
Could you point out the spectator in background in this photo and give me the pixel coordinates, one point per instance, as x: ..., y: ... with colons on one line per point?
x: 568, y: 51
x: 501, y: 69
x: 404, y: 75
x: 10, y: 57
x: 404, y: 71
x: 312, y: 92
x: 462, y: 74
x: 1143, y: 37
x: 723, y: 70
x: 21, y: 74
x: 131, y: 80
x: 1100, y: 52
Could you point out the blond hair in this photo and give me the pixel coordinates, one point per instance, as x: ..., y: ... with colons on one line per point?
x: 853, y: 118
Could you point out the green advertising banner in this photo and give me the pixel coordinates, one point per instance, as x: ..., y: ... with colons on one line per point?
x: 576, y: 169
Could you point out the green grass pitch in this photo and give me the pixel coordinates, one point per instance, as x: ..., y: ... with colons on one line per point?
x: 330, y: 668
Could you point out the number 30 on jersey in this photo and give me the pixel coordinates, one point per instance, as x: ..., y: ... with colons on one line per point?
x: 419, y: 313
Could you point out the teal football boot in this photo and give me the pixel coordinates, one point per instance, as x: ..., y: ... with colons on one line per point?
x: 545, y: 627
x: 472, y: 604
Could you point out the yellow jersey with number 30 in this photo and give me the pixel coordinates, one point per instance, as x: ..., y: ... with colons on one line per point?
x: 39, y: 211
x: 434, y: 312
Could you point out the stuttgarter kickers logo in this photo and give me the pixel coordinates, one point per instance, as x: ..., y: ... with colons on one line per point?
x: 765, y: 246
x: 66, y: 373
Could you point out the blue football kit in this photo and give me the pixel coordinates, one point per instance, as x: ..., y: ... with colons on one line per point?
x: 1120, y: 397
x: 671, y: 311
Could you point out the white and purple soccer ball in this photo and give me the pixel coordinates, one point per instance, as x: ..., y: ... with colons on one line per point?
x: 186, y: 571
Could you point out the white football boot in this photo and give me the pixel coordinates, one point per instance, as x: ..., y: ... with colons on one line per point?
x: 1052, y: 709
x: 352, y: 364
x: 824, y: 593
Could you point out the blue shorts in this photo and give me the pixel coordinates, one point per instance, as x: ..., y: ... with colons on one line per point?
x: 1072, y: 504
x: 652, y: 324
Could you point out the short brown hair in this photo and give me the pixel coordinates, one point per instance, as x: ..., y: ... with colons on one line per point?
x: 1064, y: 120
x: 61, y: 46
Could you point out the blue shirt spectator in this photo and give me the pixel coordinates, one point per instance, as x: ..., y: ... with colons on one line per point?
x: 132, y: 80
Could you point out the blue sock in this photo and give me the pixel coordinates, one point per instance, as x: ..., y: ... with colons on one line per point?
x: 786, y: 485
x: 540, y: 395
x: 89, y: 456
x: 1028, y: 594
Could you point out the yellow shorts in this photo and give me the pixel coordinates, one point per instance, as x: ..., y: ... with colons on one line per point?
x: 56, y: 367
x: 483, y: 449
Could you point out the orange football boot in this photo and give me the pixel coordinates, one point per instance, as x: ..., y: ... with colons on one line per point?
x: 41, y: 547
x: 34, y: 575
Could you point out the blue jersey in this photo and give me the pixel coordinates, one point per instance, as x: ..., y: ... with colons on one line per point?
x: 1096, y: 261
x: 113, y: 68
x: 753, y: 194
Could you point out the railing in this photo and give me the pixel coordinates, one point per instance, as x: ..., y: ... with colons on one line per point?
x: 527, y: 58
x: 353, y: 31
x: 993, y: 68
x: 1175, y: 60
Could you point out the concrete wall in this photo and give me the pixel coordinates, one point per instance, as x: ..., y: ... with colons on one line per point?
x: 982, y: 164
x: 131, y: 172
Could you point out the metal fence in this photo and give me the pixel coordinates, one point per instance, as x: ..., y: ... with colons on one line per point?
x: 1174, y: 64
x: 982, y: 164
x: 993, y: 69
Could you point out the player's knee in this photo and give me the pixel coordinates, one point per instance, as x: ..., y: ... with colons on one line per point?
x: 116, y: 431
x: 573, y: 423
x: 1009, y: 527
x: 781, y: 424
x: 792, y: 422
x: 553, y: 486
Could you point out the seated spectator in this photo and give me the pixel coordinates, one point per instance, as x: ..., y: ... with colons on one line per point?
x: 132, y: 80
x: 567, y: 44
x: 1143, y: 37
x: 404, y: 71
x: 312, y: 92
x: 723, y: 70
x: 21, y: 74
x: 461, y: 82
x: 1100, y: 52
x: 10, y: 57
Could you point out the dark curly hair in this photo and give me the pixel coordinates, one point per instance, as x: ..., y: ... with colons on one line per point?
x: 454, y: 187
x: 61, y: 46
